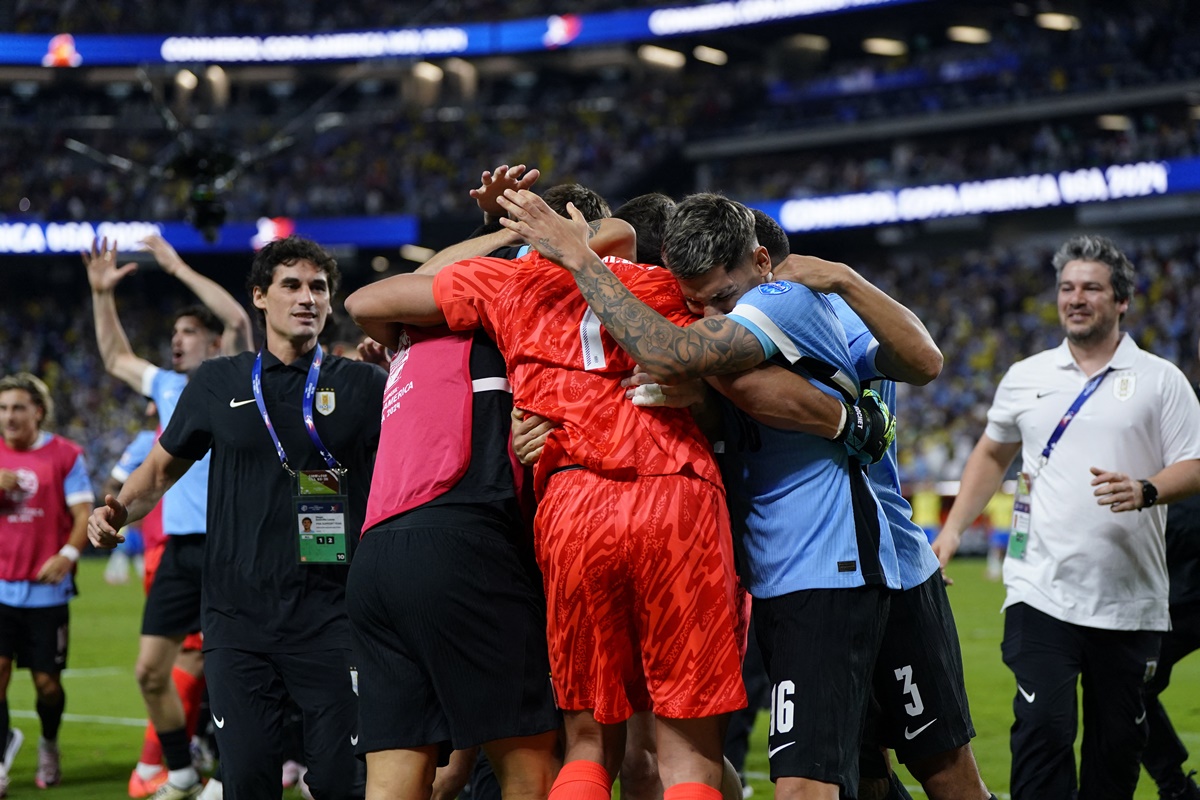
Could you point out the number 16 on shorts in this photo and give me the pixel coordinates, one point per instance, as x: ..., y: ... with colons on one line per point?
x: 783, y: 710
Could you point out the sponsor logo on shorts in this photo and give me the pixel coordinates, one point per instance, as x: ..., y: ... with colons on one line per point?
x: 235, y: 403
x: 354, y: 740
x: 771, y: 753
x: 1141, y: 718
x: 220, y: 723
x: 910, y: 735
x: 1029, y: 696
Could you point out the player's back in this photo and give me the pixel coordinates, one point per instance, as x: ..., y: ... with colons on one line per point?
x: 564, y: 366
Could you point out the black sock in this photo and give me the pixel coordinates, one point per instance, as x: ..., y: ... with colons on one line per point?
x: 4, y: 726
x: 175, y: 748
x: 51, y: 712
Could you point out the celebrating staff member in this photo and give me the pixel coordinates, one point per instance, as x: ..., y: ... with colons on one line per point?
x: 1102, y: 427
x: 292, y: 434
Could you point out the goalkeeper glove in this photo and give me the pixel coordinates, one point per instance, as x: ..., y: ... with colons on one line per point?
x: 870, y: 428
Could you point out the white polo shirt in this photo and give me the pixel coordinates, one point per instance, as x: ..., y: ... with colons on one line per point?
x: 1085, y: 564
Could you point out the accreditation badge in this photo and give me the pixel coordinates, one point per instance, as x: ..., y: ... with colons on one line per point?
x: 320, y: 509
x: 1018, y: 539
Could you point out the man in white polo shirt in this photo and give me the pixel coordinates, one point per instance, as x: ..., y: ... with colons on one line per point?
x: 1103, y: 428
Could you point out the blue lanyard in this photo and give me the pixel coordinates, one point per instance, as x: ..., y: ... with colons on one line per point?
x: 310, y: 389
x: 1089, y: 389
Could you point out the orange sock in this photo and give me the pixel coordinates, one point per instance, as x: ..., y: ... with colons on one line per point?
x: 692, y: 791
x: 191, y: 690
x: 581, y: 780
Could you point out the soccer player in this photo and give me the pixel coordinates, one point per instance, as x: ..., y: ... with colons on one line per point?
x: 172, y: 610
x: 446, y: 663
x: 819, y: 555
x: 919, y: 682
x: 292, y: 434
x: 630, y: 505
x: 45, y: 494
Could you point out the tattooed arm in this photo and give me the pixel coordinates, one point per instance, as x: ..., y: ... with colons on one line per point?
x: 670, y: 354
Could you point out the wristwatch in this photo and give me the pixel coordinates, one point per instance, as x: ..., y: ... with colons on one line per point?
x: 1149, y: 493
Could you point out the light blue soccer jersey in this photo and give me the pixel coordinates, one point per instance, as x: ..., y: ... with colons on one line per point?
x: 135, y: 453
x: 185, y: 505
x: 917, y: 561
x: 807, y: 517
x: 77, y: 488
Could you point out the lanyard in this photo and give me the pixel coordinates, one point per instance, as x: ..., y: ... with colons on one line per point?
x: 310, y: 389
x: 1089, y: 389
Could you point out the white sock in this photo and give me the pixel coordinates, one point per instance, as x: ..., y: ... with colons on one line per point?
x: 147, y: 771
x: 183, y: 778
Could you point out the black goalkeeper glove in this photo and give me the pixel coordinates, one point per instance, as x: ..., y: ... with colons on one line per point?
x: 870, y: 428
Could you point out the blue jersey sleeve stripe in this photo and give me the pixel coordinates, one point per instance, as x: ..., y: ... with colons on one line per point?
x: 766, y: 330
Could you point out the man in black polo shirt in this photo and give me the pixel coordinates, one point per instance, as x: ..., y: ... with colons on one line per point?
x: 274, y: 594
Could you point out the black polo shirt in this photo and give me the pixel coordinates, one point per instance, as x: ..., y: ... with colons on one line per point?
x: 256, y: 594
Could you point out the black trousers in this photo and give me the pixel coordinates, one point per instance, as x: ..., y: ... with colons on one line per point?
x: 248, y: 695
x: 1165, y: 754
x: 1048, y: 658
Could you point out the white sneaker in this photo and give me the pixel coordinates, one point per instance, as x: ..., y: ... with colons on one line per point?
x: 291, y: 773
x: 49, y: 770
x: 116, y: 571
x: 168, y: 791
x: 213, y: 790
x: 15, y: 737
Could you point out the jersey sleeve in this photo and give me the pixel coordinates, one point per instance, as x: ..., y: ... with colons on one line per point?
x: 800, y: 325
x: 1180, y: 419
x: 77, y: 485
x: 464, y: 291
x: 1002, y: 416
x: 862, y: 343
x: 150, y: 381
x: 189, y: 433
x: 135, y: 453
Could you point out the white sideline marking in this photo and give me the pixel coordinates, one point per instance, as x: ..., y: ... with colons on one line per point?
x: 129, y: 722
x: 95, y: 672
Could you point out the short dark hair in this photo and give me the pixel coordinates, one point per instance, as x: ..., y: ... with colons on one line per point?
x: 1101, y: 250
x: 771, y: 235
x: 202, y: 314
x: 589, y: 203
x: 37, y: 390
x: 648, y: 214
x: 286, y: 252
x: 707, y: 230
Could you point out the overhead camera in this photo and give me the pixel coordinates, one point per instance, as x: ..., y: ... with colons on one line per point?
x: 206, y: 212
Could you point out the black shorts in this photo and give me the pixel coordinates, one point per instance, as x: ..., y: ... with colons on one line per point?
x: 819, y: 647
x: 173, y: 602
x: 36, y: 637
x: 919, y: 676
x: 449, y: 630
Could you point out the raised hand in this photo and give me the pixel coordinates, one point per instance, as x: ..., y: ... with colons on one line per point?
x: 493, y: 184
x: 102, y: 271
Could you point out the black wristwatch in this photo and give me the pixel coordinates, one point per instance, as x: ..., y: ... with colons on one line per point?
x: 1149, y: 493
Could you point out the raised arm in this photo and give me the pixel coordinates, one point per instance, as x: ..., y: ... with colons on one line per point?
x: 670, y: 354
x: 981, y: 478
x: 145, y: 487
x: 237, y: 335
x: 381, y: 307
x: 103, y: 275
x: 907, y: 352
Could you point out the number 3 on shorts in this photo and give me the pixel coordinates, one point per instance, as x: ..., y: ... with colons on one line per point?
x: 914, y: 708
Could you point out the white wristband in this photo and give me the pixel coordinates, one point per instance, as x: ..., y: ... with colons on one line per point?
x: 70, y: 552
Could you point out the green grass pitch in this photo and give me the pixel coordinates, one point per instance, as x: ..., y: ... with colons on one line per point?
x: 101, y: 737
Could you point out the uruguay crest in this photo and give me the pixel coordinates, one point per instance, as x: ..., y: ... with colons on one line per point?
x: 326, y: 402
x: 1124, y: 385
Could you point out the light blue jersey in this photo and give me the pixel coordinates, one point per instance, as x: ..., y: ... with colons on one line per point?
x: 917, y: 560
x: 185, y: 505
x: 807, y: 517
x: 135, y: 453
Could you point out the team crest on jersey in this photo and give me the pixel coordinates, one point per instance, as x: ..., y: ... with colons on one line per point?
x: 1124, y: 385
x: 775, y: 287
x: 326, y: 402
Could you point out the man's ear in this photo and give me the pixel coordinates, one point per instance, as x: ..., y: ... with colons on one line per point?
x: 762, y: 261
